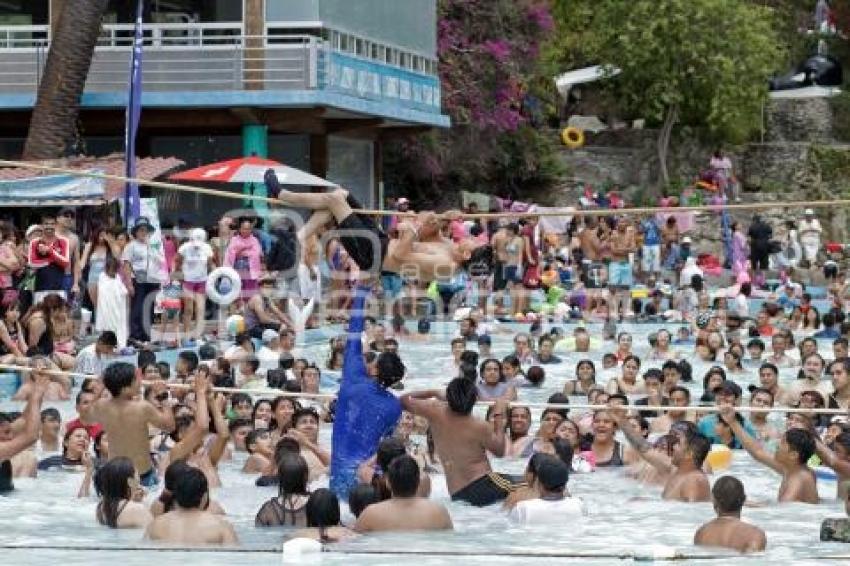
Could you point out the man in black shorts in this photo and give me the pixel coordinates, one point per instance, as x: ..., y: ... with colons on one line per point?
x: 462, y: 441
x: 760, y: 234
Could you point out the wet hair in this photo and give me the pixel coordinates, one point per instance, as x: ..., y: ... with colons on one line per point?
x: 559, y: 399
x: 653, y: 373
x: 118, y: 376
x: 461, y: 395
x: 207, y: 352
x: 686, y: 371
x: 564, y: 451
x: 172, y: 473
x: 251, y: 438
x: 240, y: 398
x: 535, y: 375
x: 728, y: 494
x: 190, y: 488
x: 632, y: 358
x: 620, y: 396
x: 276, y: 403
x: 305, y: 412
x: 293, y: 475
x: 681, y: 389
x: 110, y: 483
x: 285, y: 447
x: 802, y: 442
x: 145, y: 357
x: 50, y: 413
x: 97, y: 445
x: 360, y: 497
x: 322, y: 511
x: 403, y: 476
x: 107, y: 338
x: 391, y: 370
x: 238, y: 423
x: 257, y: 405
x: 164, y: 370
x: 469, y: 357
x: 699, y: 446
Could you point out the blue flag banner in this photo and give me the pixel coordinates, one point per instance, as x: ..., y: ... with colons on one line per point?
x: 134, y: 111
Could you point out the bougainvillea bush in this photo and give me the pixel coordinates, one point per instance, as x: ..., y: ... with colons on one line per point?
x: 489, y: 52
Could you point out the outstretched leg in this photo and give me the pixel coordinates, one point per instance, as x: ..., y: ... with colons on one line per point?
x: 335, y: 201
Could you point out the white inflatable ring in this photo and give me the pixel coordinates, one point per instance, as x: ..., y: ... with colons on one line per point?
x: 215, y: 278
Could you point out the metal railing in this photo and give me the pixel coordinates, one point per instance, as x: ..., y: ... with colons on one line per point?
x: 177, y: 57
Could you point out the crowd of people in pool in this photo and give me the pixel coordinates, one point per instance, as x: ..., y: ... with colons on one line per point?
x: 145, y: 424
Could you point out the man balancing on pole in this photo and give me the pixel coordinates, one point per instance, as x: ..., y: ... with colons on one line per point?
x: 420, y: 249
x: 366, y: 411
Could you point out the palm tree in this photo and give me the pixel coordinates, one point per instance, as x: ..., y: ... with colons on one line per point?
x: 53, y: 123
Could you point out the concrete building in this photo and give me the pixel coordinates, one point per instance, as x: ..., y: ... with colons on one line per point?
x: 316, y: 84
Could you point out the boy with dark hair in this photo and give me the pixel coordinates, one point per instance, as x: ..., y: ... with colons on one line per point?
x: 799, y: 482
x: 126, y: 419
x: 464, y: 440
x: 728, y: 530
x: 404, y: 511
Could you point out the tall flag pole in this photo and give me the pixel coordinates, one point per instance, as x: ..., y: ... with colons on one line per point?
x: 132, y: 202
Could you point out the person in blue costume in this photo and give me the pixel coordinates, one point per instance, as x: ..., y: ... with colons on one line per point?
x: 366, y: 411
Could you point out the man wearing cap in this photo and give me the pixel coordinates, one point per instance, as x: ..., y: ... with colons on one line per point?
x: 49, y: 257
x: 810, y: 232
x: 144, y: 264
x: 727, y: 394
x: 554, y: 505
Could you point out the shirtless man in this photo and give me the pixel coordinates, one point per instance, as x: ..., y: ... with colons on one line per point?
x: 419, y: 251
x: 188, y: 523
x: 683, y: 477
x: 796, y: 447
x: 126, y: 417
x: 499, y: 242
x: 620, y: 270
x: 769, y: 379
x: 679, y: 397
x: 404, y: 511
x: 589, y: 240
x: 728, y: 530
x: 462, y: 441
x: 838, y: 459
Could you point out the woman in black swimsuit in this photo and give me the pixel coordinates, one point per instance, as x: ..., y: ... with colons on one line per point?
x: 608, y: 452
x: 117, y: 484
x: 289, y: 507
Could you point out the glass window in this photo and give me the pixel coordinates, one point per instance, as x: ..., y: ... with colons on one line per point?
x: 351, y: 164
x: 175, y: 11
x: 24, y: 12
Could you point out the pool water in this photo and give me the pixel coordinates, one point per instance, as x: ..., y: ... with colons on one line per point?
x: 624, y: 516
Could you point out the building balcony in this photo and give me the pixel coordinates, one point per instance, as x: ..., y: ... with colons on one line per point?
x: 218, y: 65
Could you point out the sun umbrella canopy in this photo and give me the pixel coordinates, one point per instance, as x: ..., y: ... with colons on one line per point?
x: 250, y: 170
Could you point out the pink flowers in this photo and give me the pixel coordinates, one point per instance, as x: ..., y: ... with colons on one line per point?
x: 499, y: 49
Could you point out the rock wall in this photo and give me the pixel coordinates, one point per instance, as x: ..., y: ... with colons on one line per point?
x: 798, y: 120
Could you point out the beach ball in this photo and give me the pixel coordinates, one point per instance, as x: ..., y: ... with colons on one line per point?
x: 235, y: 324
x: 719, y: 458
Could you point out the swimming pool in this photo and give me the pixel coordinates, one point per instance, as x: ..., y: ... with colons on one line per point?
x: 45, y: 512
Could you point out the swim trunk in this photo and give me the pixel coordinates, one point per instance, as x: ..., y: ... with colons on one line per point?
x: 149, y: 478
x: 511, y: 274
x: 195, y: 287
x: 620, y: 274
x: 486, y: 490
x: 362, y: 239
x: 392, y: 284
x: 651, y: 258
x: 499, y: 282
x: 67, y: 283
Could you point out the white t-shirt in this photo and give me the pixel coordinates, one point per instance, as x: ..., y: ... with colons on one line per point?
x: 145, y: 261
x: 269, y: 359
x: 196, y: 256
x: 742, y: 306
x: 541, y: 511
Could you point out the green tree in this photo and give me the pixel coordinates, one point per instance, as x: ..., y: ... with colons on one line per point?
x: 697, y: 62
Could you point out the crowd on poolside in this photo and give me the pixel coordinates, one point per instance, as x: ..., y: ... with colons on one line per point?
x: 589, y: 274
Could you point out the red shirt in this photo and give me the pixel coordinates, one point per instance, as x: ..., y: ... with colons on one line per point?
x: 93, y: 429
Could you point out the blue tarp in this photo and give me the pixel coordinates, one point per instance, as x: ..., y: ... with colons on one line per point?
x: 52, y: 190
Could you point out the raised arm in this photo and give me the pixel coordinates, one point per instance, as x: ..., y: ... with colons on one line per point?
x: 32, y: 419
x: 751, y: 445
x: 421, y: 402
x: 222, y: 432
x: 831, y: 459
x: 642, y: 446
x: 494, y: 440
x: 196, y: 433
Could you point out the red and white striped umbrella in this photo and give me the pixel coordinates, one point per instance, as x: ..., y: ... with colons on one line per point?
x: 250, y: 170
